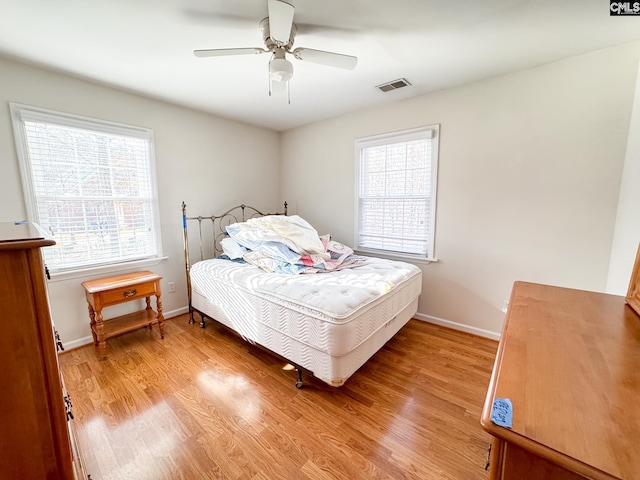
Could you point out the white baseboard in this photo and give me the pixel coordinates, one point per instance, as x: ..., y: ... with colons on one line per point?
x: 458, y: 326
x: 419, y: 316
x: 88, y: 340
x: 78, y: 343
x: 176, y: 312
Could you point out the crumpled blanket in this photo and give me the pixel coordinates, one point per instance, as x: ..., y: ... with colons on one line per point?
x: 282, y: 244
x: 291, y: 231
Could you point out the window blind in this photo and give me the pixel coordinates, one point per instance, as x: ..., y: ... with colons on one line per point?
x: 92, y: 188
x: 396, y: 193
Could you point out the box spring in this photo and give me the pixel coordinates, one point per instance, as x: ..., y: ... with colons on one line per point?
x: 328, y: 323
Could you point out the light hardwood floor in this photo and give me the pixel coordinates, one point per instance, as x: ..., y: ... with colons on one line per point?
x: 204, y: 404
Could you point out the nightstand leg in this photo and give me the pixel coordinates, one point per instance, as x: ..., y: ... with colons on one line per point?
x: 160, y: 316
x: 102, y: 342
x: 148, y: 300
x: 92, y: 323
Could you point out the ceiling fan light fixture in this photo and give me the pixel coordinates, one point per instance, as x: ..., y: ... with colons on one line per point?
x: 280, y: 70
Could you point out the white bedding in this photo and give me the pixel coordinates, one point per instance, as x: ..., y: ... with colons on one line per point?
x: 329, y: 323
x: 291, y: 231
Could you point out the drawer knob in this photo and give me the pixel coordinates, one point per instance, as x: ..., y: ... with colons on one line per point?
x: 130, y: 293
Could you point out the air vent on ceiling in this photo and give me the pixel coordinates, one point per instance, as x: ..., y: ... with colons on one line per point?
x: 394, y: 85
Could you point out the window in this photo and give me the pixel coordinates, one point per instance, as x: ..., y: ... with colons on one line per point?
x: 91, y: 185
x: 396, y: 202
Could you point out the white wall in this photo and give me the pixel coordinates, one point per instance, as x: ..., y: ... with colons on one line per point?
x: 529, y: 175
x: 627, y: 231
x: 530, y: 170
x: 209, y: 162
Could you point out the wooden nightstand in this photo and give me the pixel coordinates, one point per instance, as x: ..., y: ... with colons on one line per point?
x: 105, y: 292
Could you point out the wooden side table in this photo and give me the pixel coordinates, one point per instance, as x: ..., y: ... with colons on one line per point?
x: 108, y: 291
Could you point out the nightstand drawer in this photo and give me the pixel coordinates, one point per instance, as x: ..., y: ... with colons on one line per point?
x: 130, y: 292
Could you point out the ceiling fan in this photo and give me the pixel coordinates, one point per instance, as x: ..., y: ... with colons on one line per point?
x: 278, y: 33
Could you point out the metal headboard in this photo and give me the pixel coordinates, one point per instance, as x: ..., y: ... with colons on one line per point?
x: 211, y: 235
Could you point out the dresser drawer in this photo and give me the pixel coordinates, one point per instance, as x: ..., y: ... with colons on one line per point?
x: 131, y: 292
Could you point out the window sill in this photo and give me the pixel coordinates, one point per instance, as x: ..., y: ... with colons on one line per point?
x: 105, y: 269
x: 397, y: 256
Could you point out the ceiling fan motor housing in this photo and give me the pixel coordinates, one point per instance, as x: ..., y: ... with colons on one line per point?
x: 269, y: 42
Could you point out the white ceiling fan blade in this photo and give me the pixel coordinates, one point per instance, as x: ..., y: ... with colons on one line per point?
x: 223, y: 52
x: 280, y: 21
x: 326, y: 58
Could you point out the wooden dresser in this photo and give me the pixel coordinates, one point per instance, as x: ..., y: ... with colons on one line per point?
x: 36, y: 437
x: 569, y: 361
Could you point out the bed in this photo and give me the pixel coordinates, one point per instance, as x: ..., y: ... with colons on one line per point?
x: 327, y: 324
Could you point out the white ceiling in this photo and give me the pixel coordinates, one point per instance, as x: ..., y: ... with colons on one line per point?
x: 145, y: 46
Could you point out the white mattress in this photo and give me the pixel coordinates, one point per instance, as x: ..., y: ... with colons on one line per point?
x: 327, y: 323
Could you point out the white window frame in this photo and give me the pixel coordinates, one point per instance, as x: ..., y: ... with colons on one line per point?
x: 431, y: 132
x: 21, y: 113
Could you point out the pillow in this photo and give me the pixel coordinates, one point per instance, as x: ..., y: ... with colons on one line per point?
x: 231, y: 248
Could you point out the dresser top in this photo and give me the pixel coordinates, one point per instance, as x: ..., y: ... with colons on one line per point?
x: 569, y: 361
x: 23, y: 235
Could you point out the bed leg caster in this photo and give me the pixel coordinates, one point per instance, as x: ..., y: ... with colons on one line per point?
x: 299, y: 383
x: 202, y: 324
